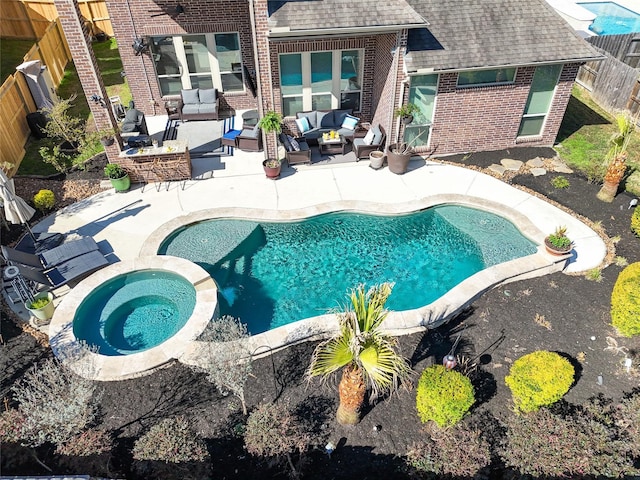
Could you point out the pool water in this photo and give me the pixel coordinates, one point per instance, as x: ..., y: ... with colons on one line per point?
x: 134, y: 312
x: 272, y: 274
x: 612, y: 19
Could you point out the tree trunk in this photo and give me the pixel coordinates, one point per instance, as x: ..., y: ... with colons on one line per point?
x: 608, y: 191
x: 352, y: 391
x: 613, y: 177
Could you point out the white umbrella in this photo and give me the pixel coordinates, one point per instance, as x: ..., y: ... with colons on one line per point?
x: 16, y: 210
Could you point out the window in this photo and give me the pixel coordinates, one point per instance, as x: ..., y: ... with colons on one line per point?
x: 320, y: 80
x: 422, y: 93
x: 541, y: 94
x: 486, y: 77
x: 198, y: 61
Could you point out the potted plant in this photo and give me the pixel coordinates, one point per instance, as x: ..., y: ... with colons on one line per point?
x: 41, y: 307
x: 399, y: 155
x: 106, y: 137
x: 376, y: 159
x: 118, y: 176
x: 405, y: 112
x: 67, y: 129
x: 271, y: 122
x: 557, y: 243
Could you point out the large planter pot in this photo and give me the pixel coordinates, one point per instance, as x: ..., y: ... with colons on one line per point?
x: 407, y: 119
x: 376, y: 159
x: 42, y: 314
x: 555, y: 250
x: 397, y: 162
x: 121, y: 184
x: 107, y: 141
x: 271, y: 172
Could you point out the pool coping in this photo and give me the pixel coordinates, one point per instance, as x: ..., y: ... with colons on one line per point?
x: 429, y: 316
x: 102, y: 367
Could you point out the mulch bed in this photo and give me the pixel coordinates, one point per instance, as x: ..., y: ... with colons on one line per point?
x: 563, y: 313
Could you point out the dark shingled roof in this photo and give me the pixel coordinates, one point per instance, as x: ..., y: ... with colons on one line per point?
x: 336, y: 14
x: 486, y: 33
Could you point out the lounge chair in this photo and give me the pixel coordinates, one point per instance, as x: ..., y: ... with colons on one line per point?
x: 51, y: 258
x: 73, y: 269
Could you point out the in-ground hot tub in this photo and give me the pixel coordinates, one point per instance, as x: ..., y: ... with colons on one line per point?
x: 138, y: 315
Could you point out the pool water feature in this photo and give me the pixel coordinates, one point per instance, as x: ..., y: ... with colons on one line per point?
x: 273, y: 273
x: 612, y: 19
x: 134, y: 312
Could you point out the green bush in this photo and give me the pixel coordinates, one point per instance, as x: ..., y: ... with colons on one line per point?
x: 539, y: 378
x: 460, y: 451
x: 560, y: 182
x: 172, y: 440
x: 625, y: 301
x: 635, y: 221
x: 443, y: 396
x: 44, y: 200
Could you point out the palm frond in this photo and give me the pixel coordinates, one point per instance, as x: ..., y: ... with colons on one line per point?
x: 330, y: 356
x: 385, y: 369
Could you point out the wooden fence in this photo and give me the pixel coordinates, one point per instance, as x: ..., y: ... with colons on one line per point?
x: 16, y: 100
x: 614, y: 82
x: 31, y: 18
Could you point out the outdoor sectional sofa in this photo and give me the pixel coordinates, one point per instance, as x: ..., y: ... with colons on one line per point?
x: 199, y: 104
x: 321, y: 121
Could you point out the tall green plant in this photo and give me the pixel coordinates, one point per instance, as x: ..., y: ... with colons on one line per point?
x: 617, y: 156
x: 365, y: 354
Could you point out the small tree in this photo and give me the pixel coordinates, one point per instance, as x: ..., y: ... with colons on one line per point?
x: 273, y: 431
x: 227, y: 361
x: 617, y: 156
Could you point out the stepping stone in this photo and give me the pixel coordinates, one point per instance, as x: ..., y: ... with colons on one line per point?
x: 535, y: 162
x: 499, y: 169
x: 537, y: 172
x: 560, y: 167
x: 512, y: 165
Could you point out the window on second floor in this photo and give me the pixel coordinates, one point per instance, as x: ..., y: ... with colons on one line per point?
x: 476, y: 78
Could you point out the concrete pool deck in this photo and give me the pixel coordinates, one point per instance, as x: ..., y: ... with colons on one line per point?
x: 124, y: 222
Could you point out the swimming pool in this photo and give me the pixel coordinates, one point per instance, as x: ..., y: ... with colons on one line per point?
x: 135, y: 311
x: 612, y: 19
x: 273, y: 273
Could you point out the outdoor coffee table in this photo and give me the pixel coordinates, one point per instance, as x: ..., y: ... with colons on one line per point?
x: 334, y: 145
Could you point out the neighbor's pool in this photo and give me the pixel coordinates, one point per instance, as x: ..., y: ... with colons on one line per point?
x: 135, y: 311
x: 612, y: 19
x: 272, y: 274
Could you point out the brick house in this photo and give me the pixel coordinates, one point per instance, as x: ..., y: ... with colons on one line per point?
x: 485, y: 75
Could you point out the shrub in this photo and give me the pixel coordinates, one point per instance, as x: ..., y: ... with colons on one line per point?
x: 560, y: 182
x: 625, y: 301
x: 171, y: 440
x: 443, y: 396
x: 273, y: 431
x: 539, y: 378
x: 44, y: 200
x: 635, y: 221
x: 542, y: 443
x: 458, y: 451
x: 627, y: 419
x: 11, y: 426
x: 89, y: 442
x: 56, y: 403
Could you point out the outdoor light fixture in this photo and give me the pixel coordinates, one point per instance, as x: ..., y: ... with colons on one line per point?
x: 329, y: 448
x: 139, y: 46
x: 179, y: 9
x: 633, y: 203
x: 98, y: 100
x: 449, y: 362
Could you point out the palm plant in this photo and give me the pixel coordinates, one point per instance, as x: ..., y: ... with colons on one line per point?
x: 366, y: 355
x: 617, y: 157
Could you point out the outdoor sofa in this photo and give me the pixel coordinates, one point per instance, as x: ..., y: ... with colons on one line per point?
x: 199, y: 104
x: 311, y: 125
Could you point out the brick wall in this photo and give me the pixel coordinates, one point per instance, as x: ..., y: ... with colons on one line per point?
x: 142, y: 18
x: 487, y: 118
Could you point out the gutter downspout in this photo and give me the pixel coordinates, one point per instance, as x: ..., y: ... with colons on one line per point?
x: 396, y: 63
x: 256, y: 63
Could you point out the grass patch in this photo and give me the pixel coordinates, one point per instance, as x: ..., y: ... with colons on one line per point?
x: 584, y: 137
x: 110, y: 66
x: 560, y: 182
x: 12, y: 52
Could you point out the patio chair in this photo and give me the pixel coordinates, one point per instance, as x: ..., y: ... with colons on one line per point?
x: 52, y: 257
x: 301, y: 154
x: 69, y: 271
x: 250, y: 139
x: 374, y: 140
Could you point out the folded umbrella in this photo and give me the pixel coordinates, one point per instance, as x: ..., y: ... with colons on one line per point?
x: 16, y: 210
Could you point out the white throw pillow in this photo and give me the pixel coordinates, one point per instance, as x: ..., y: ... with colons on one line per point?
x: 368, y: 138
x: 303, y: 124
x: 350, y: 122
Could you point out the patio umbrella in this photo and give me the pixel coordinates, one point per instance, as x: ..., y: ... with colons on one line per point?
x: 16, y: 210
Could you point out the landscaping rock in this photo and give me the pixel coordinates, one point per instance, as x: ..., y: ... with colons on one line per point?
x: 499, y: 169
x: 536, y: 172
x: 560, y: 167
x: 512, y: 165
x: 535, y: 162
